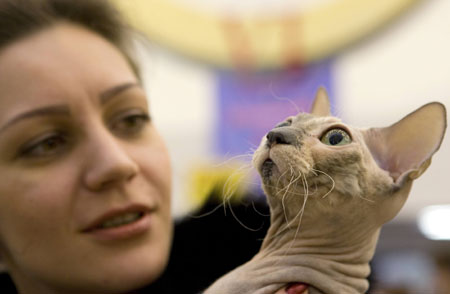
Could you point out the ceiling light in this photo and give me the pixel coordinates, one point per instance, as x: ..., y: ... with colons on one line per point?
x: 434, y: 222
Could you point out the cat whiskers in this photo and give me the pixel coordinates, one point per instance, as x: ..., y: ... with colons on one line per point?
x: 332, y: 181
x: 366, y: 199
x: 207, y: 213
x: 241, y: 223
x: 228, y: 192
x: 279, y: 179
x: 299, y: 215
x: 227, y: 161
x: 302, y: 210
x: 285, y: 194
x: 228, y: 189
x: 286, y: 187
x: 257, y: 211
x: 275, y: 188
x: 297, y: 109
x: 278, y: 182
x: 306, y: 189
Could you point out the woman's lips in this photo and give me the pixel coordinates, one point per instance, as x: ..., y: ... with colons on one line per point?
x: 124, y: 231
x: 120, y: 224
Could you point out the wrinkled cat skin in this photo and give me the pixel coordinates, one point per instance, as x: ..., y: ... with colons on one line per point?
x: 328, y: 202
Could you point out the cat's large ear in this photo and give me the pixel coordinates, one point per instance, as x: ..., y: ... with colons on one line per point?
x: 321, y: 104
x: 405, y: 148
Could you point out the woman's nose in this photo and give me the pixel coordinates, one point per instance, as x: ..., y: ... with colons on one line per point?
x: 109, y: 163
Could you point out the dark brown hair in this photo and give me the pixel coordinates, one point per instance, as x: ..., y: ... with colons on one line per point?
x: 20, y: 18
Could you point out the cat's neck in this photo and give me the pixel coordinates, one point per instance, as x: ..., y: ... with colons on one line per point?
x: 330, y: 262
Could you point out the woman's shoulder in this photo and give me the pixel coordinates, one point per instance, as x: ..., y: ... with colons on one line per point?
x: 211, y: 242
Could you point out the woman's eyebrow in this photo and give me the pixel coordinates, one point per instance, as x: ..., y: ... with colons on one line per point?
x: 112, y: 92
x: 48, y: 110
x: 64, y: 109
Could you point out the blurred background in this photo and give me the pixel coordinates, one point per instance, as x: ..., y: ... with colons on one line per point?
x: 221, y: 73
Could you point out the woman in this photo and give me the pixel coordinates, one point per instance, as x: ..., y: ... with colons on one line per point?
x: 85, y: 189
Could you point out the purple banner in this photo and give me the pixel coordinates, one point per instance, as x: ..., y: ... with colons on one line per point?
x: 253, y: 103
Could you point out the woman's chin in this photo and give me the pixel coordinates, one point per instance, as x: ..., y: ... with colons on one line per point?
x: 137, y: 270
x: 129, y: 277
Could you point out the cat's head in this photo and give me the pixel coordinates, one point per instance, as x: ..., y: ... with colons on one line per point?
x: 347, y: 172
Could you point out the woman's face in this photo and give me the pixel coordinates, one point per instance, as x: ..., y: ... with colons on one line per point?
x: 84, y: 175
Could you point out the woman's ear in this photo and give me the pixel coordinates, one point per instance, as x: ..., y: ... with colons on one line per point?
x: 405, y: 148
x: 321, y: 104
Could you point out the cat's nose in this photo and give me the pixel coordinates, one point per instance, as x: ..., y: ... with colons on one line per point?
x: 281, y: 136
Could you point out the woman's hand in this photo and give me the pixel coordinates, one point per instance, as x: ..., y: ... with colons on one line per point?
x: 259, y: 276
x: 266, y: 274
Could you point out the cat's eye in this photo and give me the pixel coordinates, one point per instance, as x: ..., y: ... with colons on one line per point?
x: 336, y: 137
x: 285, y: 123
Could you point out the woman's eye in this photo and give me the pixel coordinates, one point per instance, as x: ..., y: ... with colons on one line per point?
x: 130, y: 123
x: 336, y: 137
x: 45, y: 146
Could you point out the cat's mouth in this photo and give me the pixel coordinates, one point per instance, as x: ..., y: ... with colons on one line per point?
x: 267, y: 168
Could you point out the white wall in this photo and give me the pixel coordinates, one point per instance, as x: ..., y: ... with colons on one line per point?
x: 393, y: 73
x: 377, y: 82
x: 182, y: 104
